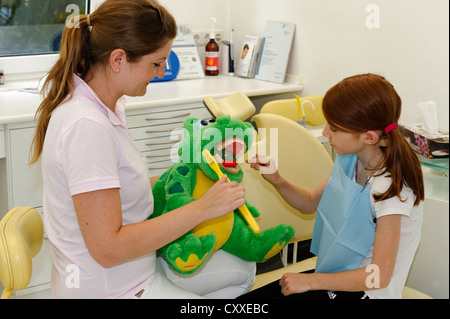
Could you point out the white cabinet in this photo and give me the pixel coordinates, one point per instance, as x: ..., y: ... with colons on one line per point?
x: 3, y: 182
x: 25, y: 182
x: 2, y: 142
x: 24, y: 188
x: 157, y: 132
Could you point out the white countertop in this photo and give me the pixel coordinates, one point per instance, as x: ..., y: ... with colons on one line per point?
x: 16, y: 106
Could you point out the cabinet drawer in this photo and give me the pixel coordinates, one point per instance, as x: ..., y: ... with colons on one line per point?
x: 156, y: 143
x: 165, y: 165
x: 161, y: 155
x: 149, y: 132
x: 167, y: 117
x: 151, y: 119
x: 159, y: 168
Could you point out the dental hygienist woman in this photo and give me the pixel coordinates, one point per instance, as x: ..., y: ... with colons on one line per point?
x: 369, y: 210
x: 97, y: 194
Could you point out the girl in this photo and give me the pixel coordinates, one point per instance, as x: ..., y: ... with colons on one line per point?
x: 369, y: 210
x: 97, y: 195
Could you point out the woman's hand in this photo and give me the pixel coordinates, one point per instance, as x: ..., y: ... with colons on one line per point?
x: 223, y: 197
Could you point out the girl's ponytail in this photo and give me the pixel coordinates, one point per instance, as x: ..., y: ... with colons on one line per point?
x: 404, y: 167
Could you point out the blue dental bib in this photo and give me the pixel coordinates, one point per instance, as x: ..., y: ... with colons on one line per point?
x: 344, y: 229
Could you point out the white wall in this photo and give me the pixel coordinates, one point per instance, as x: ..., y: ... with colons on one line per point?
x: 410, y: 47
x: 196, y: 13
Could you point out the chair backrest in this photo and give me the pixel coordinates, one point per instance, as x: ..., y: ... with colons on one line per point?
x: 311, y: 106
x: 294, y: 109
x: 301, y: 159
x: 288, y: 108
x: 237, y: 106
x: 21, y: 237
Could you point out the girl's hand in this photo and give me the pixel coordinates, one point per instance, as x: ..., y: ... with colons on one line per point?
x: 266, y: 166
x: 294, y: 283
x: 223, y: 197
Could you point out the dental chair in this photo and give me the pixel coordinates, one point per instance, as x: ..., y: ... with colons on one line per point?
x: 21, y: 237
x: 237, y: 106
x: 306, y: 111
x: 287, y: 108
x: 308, y: 108
x: 299, y: 155
x: 301, y: 158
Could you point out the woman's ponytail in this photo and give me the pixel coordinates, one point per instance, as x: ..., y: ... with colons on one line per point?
x: 139, y: 27
x: 58, y: 85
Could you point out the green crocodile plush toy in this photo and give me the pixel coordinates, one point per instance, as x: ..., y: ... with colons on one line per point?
x: 186, y: 181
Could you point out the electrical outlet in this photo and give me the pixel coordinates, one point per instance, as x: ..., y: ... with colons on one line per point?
x: 201, y: 37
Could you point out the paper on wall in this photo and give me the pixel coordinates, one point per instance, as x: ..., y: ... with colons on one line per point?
x: 186, y: 51
x: 275, y: 51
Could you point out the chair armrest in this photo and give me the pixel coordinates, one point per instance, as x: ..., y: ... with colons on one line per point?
x: 271, y: 276
x: 410, y: 293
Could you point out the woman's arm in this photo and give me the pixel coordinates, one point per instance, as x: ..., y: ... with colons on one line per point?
x: 153, y: 180
x: 298, y: 197
x: 109, y: 242
x: 387, y: 239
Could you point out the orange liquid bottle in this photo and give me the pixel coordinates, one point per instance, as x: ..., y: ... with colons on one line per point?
x: 212, y: 58
x: 212, y: 53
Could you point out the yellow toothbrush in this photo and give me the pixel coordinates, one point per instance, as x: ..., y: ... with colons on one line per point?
x: 243, y: 209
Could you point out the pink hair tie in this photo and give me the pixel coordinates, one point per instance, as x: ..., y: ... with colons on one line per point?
x: 390, y: 127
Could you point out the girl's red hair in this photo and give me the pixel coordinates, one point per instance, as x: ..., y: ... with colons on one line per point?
x: 368, y: 102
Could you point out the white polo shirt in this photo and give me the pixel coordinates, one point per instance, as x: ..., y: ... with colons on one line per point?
x: 410, y: 234
x: 88, y: 147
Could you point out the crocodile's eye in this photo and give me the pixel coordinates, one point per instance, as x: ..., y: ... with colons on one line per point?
x: 200, y: 124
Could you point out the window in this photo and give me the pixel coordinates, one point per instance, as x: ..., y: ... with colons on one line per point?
x: 30, y: 33
x: 33, y: 26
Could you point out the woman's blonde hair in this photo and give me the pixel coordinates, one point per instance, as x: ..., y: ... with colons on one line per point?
x: 139, y: 27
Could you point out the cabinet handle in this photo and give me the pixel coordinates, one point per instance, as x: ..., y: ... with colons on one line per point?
x: 160, y: 143
x: 160, y: 167
x: 168, y: 117
x: 157, y: 156
x: 163, y: 131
